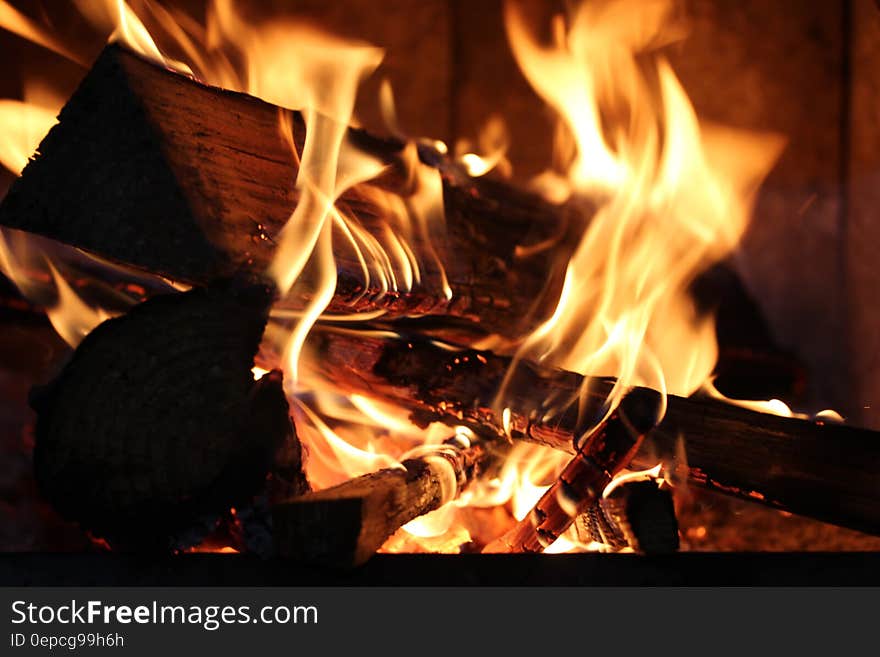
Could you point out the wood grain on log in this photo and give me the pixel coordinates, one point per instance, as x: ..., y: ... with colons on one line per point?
x: 155, y: 170
x: 825, y: 471
x: 637, y: 514
x: 157, y: 422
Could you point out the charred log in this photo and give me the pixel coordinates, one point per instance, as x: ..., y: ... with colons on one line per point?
x: 639, y: 515
x: 156, y: 422
x: 155, y: 170
x: 824, y: 471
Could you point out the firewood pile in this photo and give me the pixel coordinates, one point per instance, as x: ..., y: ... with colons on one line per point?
x: 157, y: 425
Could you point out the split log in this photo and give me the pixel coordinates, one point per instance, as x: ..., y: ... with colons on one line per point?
x: 346, y: 524
x: 637, y: 514
x: 152, y: 169
x: 825, y: 471
x: 600, y: 456
x: 156, y: 424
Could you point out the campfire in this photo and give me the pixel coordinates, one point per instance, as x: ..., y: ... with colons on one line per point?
x: 290, y: 334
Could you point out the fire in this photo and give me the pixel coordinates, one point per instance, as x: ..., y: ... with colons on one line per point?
x: 28, y: 262
x: 24, y: 125
x: 493, y: 142
x: 668, y: 196
x: 13, y: 20
x: 673, y: 197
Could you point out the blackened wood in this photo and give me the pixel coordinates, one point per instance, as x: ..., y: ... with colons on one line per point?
x: 825, y: 471
x: 152, y: 169
x: 601, y: 455
x: 346, y: 524
x: 638, y: 514
x: 156, y: 422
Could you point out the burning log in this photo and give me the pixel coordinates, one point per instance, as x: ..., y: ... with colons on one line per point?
x: 600, y: 455
x: 346, y: 524
x: 152, y: 169
x: 824, y: 471
x: 156, y: 423
x: 636, y: 514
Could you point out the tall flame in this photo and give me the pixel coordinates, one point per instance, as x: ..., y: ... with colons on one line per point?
x: 672, y: 196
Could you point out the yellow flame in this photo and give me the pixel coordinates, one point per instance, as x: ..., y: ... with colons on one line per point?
x: 627, y: 476
x: 13, y: 20
x: 126, y: 27
x: 30, y: 268
x: 72, y: 319
x: 299, y: 67
x: 672, y: 197
x: 771, y: 406
x: 334, y: 459
x: 561, y: 545
x: 493, y: 142
x: 383, y: 414
x: 22, y: 126
x: 17, y: 257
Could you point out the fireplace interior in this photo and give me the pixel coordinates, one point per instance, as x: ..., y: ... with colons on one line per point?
x: 291, y: 286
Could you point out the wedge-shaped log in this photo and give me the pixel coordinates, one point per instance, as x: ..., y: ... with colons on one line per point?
x: 150, y: 168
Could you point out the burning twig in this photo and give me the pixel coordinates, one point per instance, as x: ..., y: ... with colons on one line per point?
x: 825, y: 471
x: 346, y: 524
x: 601, y: 454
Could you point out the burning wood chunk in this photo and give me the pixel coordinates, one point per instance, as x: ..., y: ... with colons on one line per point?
x: 639, y: 515
x: 157, y: 422
x: 152, y: 169
x: 346, y: 524
x: 824, y: 471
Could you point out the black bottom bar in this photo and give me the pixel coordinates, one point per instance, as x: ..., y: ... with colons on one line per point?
x: 691, y: 569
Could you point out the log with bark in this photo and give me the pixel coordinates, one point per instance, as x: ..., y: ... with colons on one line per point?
x: 156, y: 424
x: 824, y: 471
x: 346, y: 524
x: 152, y: 169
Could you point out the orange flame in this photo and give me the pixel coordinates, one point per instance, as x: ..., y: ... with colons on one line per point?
x: 13, y: 20
x: 673, y: 197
